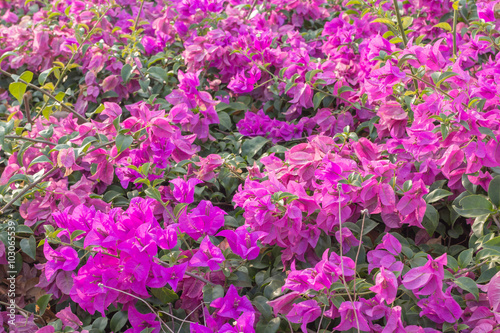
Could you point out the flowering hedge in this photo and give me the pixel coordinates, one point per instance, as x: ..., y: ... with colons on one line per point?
x: 249, y: 166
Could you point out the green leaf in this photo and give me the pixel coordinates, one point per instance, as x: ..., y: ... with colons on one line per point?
x: 436, y: 195
x: 100, y: 324
x: 43, y: 76
x: 154, y: 193
x: 277, y: 149
x: 28, y: 245
x: 452, y: 263
x: 407, y: 21
x: 260, y: 302
x: 318, y: 98
x: 17, y: 89
x: 118, y: 320
x: 123, y: 142
x: 225, y: 121
x: 76, y: 233
x: 211, y: 293
x: 23, y: 229
x: 252, y: 146
x: 178, y: 208
x: 443, y: 25
x: 478, y: 225
x: 494, y: 191
x: 268, y: 327
x: 384, y: 20
x: 111, y: 195
x: 431, y: 219
x: 165, y: 295
x: 444, y: 76
x: 158, y: 73
x: 126, y: 73
x: 7, y: 54
x: 27, y: 76
x: 343, y: 89
x: 465, y: 258
x: 469, y: 285
x: 395, y: 40
x: 273, y: 289
x: 43, y: 302
x: 41, y: 159
x: 311, y: 74
x: 487, y: 131
x: 474, y: 206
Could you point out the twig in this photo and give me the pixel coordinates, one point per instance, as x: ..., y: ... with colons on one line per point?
x: 339, y: 187
x: 199, y: 278
x: 431, y: 85
x: 45, y: 175
x: 140, y: 299
x: 455, y: 16
x: 321, y: 319
x: 26, y: 101
x: 403, y: 36
x: 251, y: 10
x: 496, y: 221
x: 65, y: 69
x: 46, y: 93
x: 185, y: 319
x: 23, y: 310
x: 359, y: 248
x: 24, y: 138
x: 138, y: 15
x: 26, y: 189
x: 473, y: 268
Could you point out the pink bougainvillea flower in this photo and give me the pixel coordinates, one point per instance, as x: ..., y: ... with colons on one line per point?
x: 386, y: 285
x: 304, y: 313
x: 244, y: 324
x: 68, y: 318
x: 184, y: 190
x: 141, y: 321
x: 349, y: 319
x: 208, y: 255
x: 205, y: 219
x: 65, y: 258
x: 243, y: 242
x: 425, y: 280
x: 232, y: 305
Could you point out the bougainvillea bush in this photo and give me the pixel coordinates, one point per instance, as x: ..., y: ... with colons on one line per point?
x: 249, y: 166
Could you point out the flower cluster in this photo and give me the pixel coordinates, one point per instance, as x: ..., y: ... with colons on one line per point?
x: 142, y: 171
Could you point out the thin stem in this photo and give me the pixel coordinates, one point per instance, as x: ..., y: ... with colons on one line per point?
x: 185, y: 319
x: 65, y: 69
x: 400, y: 23
x: 140, y: 299
x: 473, y: 268
x: 403, y: 36
x: 339, y: 187
x: 138, y: 15
x: 321, y: 319
x: 23, y: 310
x: 496, y: 221
x: 26, y: 189
x: 26, y: 101
x: 17, y: 137
x: 315, y: 89
x: 46, y: 93
x: 359, y: 249
x: 430, y: 85
x: 455, y: 16
x: 251, y: 10
x: 199, y: 278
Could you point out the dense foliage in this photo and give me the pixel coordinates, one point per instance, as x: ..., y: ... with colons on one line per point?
x: 240, y: 166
